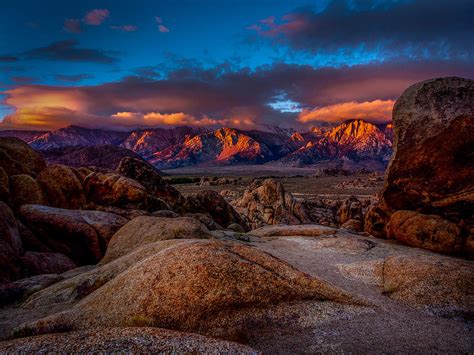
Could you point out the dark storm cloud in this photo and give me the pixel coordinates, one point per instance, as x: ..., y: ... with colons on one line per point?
x: 233, y: 96
x: 8, y: 59
x: 69, y: 50
x: 423, y: 28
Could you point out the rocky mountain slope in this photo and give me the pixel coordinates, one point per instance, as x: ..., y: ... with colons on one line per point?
x: 353, y: 140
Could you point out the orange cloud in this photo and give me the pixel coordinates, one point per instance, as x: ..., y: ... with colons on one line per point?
x: 375, y: 111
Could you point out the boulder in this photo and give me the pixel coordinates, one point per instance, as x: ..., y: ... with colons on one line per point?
x: 62, y: 187
x: 146, y: 230
x: 25, y: 190
x: 303, y: 230
x: 429, y: 232
x: 82, y: 235
x: 16, y: 157
x: 431, y: 168
x: 352, y: 225
x: 210, y: 287
x: 18, y: 290
x: 10, y: 245
x: 124, y: 340
x: 4, y: 186
x: 165, y: 214
x: 428, y: 120
x: 150, y: 178
x: 268, y: 203
x: 441, y: 284
x: 350, y: 209
x: 376, y: 219
x: 115, y: 190
x: 45, y: 263
x: 218, y: 208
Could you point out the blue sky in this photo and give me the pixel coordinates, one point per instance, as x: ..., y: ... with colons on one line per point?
x: 73, y: 48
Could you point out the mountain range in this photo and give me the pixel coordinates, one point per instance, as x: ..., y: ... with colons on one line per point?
x: 166, y: 148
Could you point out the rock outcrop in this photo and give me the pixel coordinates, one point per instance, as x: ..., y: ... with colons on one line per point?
x: 62, y: 187
x: 146, y: 230
x: 125, y: 340
x: 431, y: 170
x: 25, y: 190
x: 10, y: 245
x: 217, y: 207
x: 16, y: 157
x: 82, y: 235
x: 149, y: 177
x: 46, y: 263
x: 210, y: 287
x: 429, y: 232
x: 268, y: 203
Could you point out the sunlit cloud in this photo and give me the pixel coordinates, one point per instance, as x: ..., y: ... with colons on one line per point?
x: 375, y: 111
x: 163, y: 28
x: 96, y: 17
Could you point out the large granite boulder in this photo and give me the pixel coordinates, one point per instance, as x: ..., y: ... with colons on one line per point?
x: 268, y: 203
x: 429, y: 232
x: 62, y: 187
x: 146, y: 230
x: 4, y: 186
x: 145, y: 340
x: 217, y: 207
x: 10, y: 245
x: 16, y: 157
x: 431, y: 170
x: 82, y: 235
x: 150, y: 178
x: 45, y: 263
x: 25, y: 190
x: 210, y: 287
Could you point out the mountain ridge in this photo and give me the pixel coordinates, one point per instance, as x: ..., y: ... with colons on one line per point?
x: 182, y: 146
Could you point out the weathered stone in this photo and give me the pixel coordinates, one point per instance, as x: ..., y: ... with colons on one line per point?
x: 431, y: 170
x: 82, y: 235
x: 45, y: 263
x: 350, y: 209
x: 268, y: 203
x: 115, y: 190
x: 124, y: 340
x: 4, y: 186
x: 16, y: 157
x: 25, y: 190
x: 218, y: 208
x: 302, y: 230
x: 10, y: 245
x: 165, y: 214
x: 149, y: 177
x: 207, y: 286
x: 425, y: 231
x: 62, y: 187
x: 376, y: 219
x: 145, y: 230
x: 18, y: 290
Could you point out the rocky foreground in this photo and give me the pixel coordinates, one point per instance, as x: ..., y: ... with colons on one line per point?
x: 100, y: 260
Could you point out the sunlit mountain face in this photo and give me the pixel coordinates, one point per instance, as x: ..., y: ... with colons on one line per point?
x: 126, y: 65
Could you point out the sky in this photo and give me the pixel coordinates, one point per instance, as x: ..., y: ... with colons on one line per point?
x: 125, y: 64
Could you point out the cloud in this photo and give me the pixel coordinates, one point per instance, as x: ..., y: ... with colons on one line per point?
x: 163, y: 28
x: 125, y: 28
x: 72, y: 25
x: 226, y: 96
x: 375, y: 111
x: 421, y: 28
x: 72, y: 78
x: 96, y: 17
x: 148, y: 71
x: 8, y: 59
x: 23, y: 79
x: 68, y: 50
